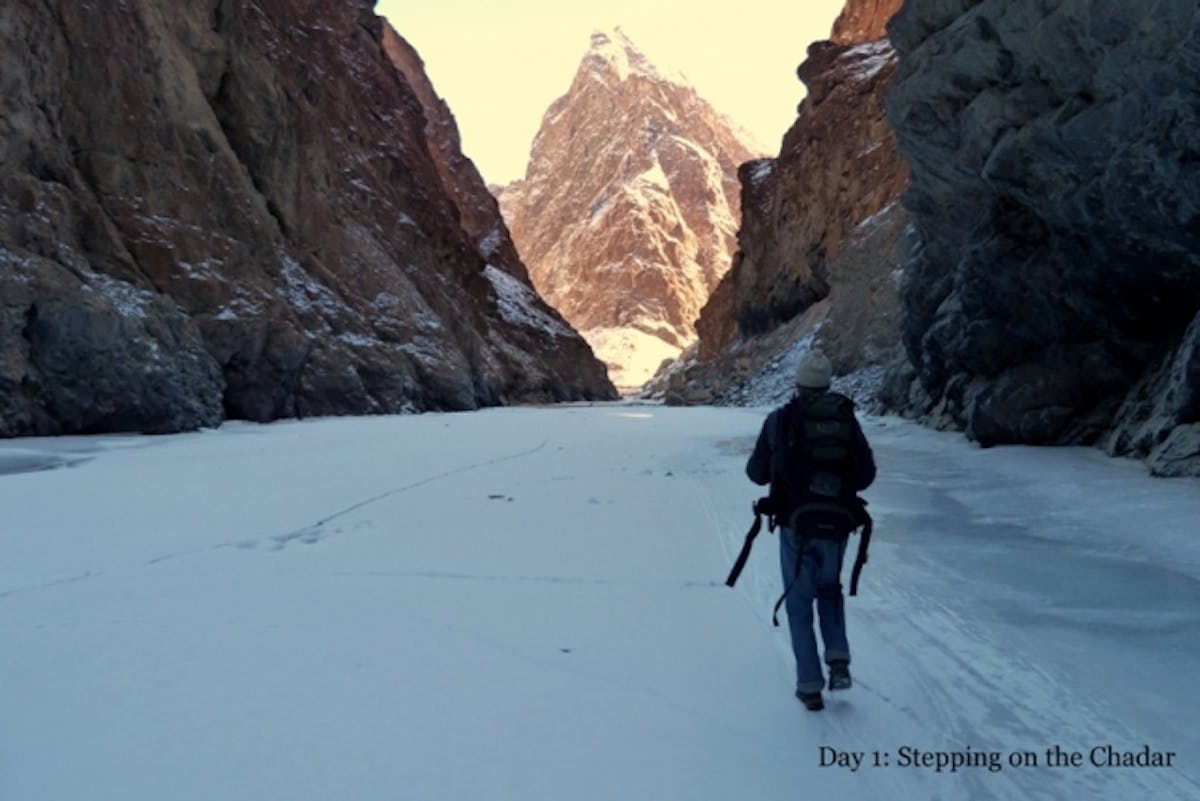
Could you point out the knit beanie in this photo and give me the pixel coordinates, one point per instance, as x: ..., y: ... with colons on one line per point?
x: 813, y: 371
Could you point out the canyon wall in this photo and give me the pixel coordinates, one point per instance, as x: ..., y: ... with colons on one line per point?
x: 1052, y: 284
x: 834, y: 183
x: 241, y: 209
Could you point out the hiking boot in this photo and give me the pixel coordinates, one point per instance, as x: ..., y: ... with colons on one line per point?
x: 812, y: 701
x: 839, y: 675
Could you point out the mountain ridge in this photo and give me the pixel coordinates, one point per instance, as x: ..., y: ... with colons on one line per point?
x: 627, y: 213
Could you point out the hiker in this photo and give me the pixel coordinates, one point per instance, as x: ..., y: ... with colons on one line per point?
x: 813, y: 453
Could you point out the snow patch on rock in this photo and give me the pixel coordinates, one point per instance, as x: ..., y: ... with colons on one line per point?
x: 873, y: 56
x: 127, y: 299
x: 303, y: 292
x: 490, y: 243
x: 631, y: 354
x: 613, y: 50
x: 518, y: 304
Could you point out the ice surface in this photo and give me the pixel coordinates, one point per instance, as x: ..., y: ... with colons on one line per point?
x: 527, y: 604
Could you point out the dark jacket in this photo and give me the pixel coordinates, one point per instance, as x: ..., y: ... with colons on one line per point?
x: 768, y: 458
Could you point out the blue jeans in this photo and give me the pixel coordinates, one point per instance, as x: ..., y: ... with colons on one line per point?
x: 819, y: 581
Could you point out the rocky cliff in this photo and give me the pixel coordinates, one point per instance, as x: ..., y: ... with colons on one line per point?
x: 479, y: 211
x: 628, y: 210
x: 837, y: 169
x: 1052, y: 286
x: 236, y: 208
x: 863, y: 21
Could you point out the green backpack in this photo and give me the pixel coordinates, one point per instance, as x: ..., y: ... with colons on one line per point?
x: 813, y: 489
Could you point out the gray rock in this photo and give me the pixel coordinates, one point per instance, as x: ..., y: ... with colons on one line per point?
x: 1056, y: 264
x: 92, y: 354
x: 1179, y: 453
x: 1163, y: 401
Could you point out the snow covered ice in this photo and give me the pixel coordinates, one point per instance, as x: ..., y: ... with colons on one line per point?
x: 528, y: 604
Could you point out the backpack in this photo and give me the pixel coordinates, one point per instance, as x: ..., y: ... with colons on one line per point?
x: 816, y: 474
x: 813, y: 490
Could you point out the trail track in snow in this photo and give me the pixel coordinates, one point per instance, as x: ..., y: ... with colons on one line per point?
x: 312, y: 534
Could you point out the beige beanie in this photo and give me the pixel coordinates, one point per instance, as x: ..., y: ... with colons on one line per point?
x: 813, y: 371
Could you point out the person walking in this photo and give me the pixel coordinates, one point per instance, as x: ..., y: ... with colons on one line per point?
x: 813, y: 453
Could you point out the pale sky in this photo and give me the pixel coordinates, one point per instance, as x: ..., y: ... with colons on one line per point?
x: 499, y: 64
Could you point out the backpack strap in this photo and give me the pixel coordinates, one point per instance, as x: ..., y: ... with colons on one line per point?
x: 782, y: 438
x: 868, y: 525
x: 800, y: 548
x: 761, y: 507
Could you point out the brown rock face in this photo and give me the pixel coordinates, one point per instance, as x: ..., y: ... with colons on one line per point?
x: 857, y: 325
x: 863, y: 21
x: 238, y: 208
x: 627, y: 212
x: 480, y: 214
x: 837, y: 166
x: 817, y: 260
